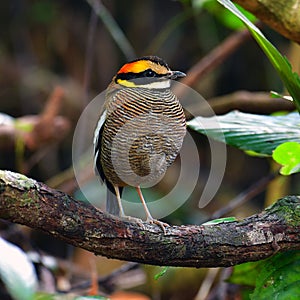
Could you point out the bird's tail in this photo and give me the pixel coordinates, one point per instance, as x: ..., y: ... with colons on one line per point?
x: 112, y: 206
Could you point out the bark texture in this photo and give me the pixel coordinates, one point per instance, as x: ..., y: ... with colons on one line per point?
x: 283, y: 16
x: 26, y: 201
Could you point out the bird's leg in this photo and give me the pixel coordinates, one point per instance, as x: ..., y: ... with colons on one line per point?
x: 150, y: 219
x: 148, y: 214
x: 122, y: 214
x: 117, y: 191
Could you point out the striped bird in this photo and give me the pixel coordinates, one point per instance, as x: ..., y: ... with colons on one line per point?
x: 140, y: 131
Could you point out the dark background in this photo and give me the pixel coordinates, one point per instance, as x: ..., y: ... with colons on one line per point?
x: 45, y: 43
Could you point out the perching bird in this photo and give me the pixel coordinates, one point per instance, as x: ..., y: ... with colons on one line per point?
x: 140, y: 131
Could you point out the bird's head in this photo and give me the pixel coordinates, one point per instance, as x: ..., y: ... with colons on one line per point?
x: 146, y: 72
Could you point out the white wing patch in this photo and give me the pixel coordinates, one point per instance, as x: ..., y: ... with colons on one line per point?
x: 96, y: 135
x: 98, y: 128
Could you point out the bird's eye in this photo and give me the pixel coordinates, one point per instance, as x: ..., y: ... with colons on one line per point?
x: 149, y: 73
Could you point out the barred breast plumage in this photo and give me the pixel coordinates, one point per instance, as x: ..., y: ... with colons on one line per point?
x: 143, y: 133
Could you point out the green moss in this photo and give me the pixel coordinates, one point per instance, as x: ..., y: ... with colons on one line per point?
x: 27, y: 200
x: 287, y: 208
x: 17, y: 180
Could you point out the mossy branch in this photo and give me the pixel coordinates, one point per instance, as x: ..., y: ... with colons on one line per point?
x: 282, y: 16
x: 26, y: 201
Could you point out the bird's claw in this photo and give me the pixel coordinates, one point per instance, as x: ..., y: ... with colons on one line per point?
x: 161, y: 224
x: 138, y: 221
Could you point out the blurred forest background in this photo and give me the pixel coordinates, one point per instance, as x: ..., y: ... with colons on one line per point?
x: 55, y: 56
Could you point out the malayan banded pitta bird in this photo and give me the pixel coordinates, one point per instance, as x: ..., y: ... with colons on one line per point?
x: 140, y: 131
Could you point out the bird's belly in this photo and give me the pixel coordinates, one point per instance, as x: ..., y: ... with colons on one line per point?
x: 141, y: 150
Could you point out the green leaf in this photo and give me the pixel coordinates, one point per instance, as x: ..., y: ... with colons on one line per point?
x: 288, y: 155
x: 258, y: 133
x: 161, y: 273
x: 17, y: 272
x: 45, y: 296
x: 223, y: 15
x: 279, y: 278
x: 255, y: 154
x: 290, y: 79
x: 278, y: 95
x: 246, y: 274
x: 23, y: 126
x: 222, y: 220
x: 276, y: 277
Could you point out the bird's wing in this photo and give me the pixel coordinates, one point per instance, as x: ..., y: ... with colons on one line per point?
x: 111, y: 200
x: 97, y: 145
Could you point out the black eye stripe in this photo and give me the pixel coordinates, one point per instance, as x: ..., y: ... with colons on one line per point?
x: 149, y: 73
x: 131, y: 75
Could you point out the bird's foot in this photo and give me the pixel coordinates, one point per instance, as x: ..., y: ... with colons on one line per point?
x: 149, y: 220
x: 138, y: 221
x: 161, y: 224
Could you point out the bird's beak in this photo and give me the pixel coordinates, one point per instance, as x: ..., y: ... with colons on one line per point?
x: 175, y: 74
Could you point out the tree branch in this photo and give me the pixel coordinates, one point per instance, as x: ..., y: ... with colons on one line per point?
x: 215, y: 57
x: 25, y: 201
x: 282, y: 16
x: 36, y: 131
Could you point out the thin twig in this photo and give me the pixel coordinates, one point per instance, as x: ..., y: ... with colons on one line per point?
x: 222, y: 289
x: 215, y: 57
x: 172, y: 24
x: 89, y: 55
x: 207, y: 283
x: 245, y: 196
x: 113, y: 28
x: 44, y: 131
x: 251, y: 102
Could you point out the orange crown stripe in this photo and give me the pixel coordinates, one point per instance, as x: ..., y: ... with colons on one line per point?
x: 135, y: 67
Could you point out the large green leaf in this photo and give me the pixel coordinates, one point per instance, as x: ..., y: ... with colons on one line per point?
x: 279, y: 278
x: 276, y: 277
x: 290, y: 79
x: 222, y: 14
x: 258, y: 133
x: 246, y: 274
